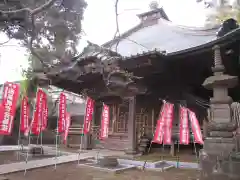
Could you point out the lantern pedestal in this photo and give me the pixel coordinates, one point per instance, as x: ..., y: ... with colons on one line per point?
x: 218, y: 159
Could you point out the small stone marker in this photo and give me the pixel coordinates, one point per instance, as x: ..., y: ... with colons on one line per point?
x: 36, y: 151
x: 107, y: 162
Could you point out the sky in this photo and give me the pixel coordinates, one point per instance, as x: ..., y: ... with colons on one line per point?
x: 99, y: 25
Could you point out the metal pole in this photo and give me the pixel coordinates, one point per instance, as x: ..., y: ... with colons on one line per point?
x: 162, y: 158
x: 41, y: 136
x: 80, y: 145
x: 81, y: 139
x: 178, y: 157
x: 195, y: 149
x: 19, y: 134
x: 149, y: 149
x: 145, y: 162
x: 178, y: 142
x: 29, y: 140
x: 56, y: 144
x: 56, y: 148
x: 194, y: 144
x: 98, y: 152
x: 56, y: 140
x: 26, y: 159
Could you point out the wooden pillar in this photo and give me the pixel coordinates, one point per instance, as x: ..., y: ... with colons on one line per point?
x: 132, y: 136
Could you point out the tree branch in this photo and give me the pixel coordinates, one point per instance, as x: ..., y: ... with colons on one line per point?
x: 35, y: 11
x: 32, y: 13
x: 117, y: 33
x: 33, y: 35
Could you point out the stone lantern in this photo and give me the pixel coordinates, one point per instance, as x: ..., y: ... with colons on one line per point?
x: 216, y: 158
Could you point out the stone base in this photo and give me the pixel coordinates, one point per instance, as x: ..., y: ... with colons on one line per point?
x: 131, y: 152
x: 107, y: 162
x: 219, y: 146
x: 219, y: 167
x: 36, y: 151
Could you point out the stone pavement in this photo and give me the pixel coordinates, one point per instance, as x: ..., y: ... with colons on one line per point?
x: 10, y: 148
x: 20, y: 166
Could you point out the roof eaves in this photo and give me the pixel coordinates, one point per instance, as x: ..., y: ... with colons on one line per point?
x: 222, y: 41
x: 146, y: 53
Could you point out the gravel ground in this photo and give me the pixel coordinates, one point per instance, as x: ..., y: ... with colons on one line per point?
x: 73, y: 172
x: 8, y: 157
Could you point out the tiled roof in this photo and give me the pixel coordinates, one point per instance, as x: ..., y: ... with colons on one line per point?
x: 163, y: 36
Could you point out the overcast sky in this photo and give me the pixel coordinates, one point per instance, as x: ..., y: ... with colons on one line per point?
x: 99, y: 22
x: 99, y: 25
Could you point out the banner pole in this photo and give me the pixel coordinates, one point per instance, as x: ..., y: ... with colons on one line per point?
x: 27, y: 155
x: 194, y: 144
x: 29, y: 138
x: 56, y: 149
x: 178, y: 140
x: 195, y: 149
x: 149, y: 149
x: 164, y: 127
x: 150, y: 146
x: 56, y: 141
x: 82, y: 134
x: 162, y: 158
x: 178, y: 155
x: 57, y: 134
x: 80, y: 145
x: 19, y: 133
x: 100, y: 131
x: 41, y: 127
x: 41, y: 136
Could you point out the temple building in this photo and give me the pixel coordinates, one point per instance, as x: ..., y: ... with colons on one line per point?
x: 154, y: 61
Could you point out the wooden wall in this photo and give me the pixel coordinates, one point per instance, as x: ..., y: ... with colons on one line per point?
x: 146, y: 118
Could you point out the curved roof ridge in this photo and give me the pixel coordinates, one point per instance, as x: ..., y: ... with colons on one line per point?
x: 192, y: 28
x: 226, y: 39
x: 123, y: 35
x: 193, y: 31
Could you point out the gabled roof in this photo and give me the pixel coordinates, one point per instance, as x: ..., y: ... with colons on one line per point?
x: 163, y: 35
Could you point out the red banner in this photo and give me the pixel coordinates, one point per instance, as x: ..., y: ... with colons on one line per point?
x: 183, y: 126
x: 62, y: 113
x: 105, y: 122
x: 168, y: 124
x: 197, y: 134
x: 36, y: 125
x: 9, y: 103
x: 45, y: 112
x: 24, y: 114
x: 68, y: 123
x: 88, y: 115
x: 158, y: 136
x: 1, y: 108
